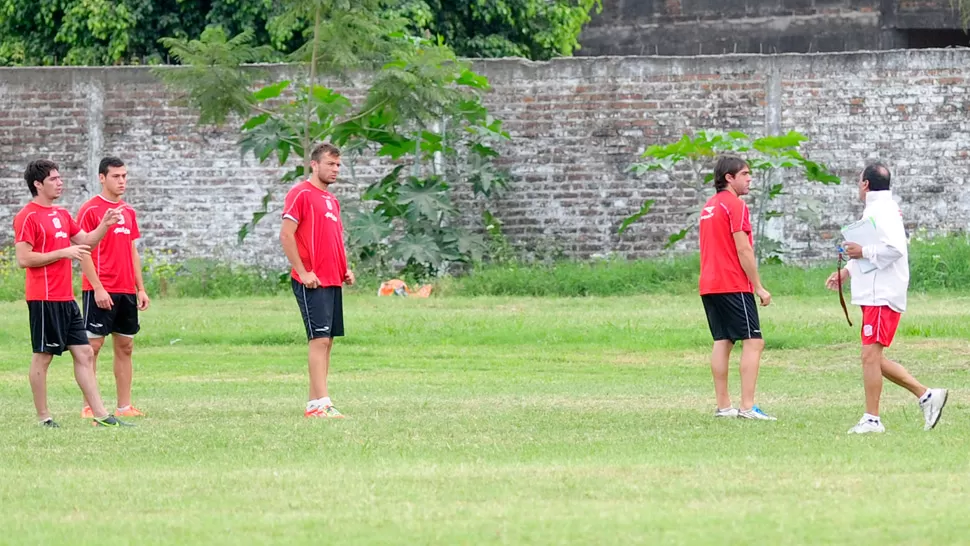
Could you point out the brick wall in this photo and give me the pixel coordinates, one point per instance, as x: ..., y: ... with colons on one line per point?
x: 577, y: 124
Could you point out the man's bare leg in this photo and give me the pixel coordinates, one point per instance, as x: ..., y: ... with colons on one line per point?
x: 751, y: 350
x: 39, y: 363
x: 96, y: 343
x: 872, y: 376
x: 319, y: 364
x: 720, y: 359
x: 899, y: 375
x: 123, y: 347
x: 84, y: 375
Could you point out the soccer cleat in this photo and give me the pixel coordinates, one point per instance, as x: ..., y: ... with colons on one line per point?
x: 333, y: 413
x: 729, y: 412
x: 110, y: 421
x: 49, y: 423
x: 756, y: 414
x: 130, y: 411
x: 932, y: 405
x: 314, y: 412
x: 86, y: 413
x: 867, y: 425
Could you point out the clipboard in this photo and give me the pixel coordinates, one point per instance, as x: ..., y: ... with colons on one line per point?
x: 863, y: 233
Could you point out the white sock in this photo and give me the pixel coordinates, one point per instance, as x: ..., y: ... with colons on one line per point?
x: 925, y: 397
x: 319, y: 403
x: 870, y: 417
x: 124, y: 408
x: 325, y: 402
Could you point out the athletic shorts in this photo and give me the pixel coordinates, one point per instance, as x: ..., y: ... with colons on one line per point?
x: 55, y: 326
x: 879, y: 325
x: 732, y: 316
x: 122, y: 318
x: 322, y: 309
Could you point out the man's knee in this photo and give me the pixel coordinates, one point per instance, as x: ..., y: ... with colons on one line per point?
x: 321, y: 342
x: 123, y: 345
x: 872, y: 355
x: 754, y: 344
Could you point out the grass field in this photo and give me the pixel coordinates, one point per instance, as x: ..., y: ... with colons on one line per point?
x: 490, y: 421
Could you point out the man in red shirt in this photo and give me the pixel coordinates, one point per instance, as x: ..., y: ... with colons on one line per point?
x: 313, y: 241
x: 43, y: 237
x: 728, y: 282
x: 112, y: 285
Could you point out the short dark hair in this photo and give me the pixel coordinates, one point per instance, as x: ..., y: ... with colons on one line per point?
x: 37, y: 171
x: 324, y: 149
x: 108, y: 162
x: 877, y: 173
x: 727, y: 165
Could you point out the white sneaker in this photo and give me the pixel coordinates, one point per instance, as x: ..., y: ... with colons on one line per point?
x: 932, y: 405
x: 730, y: 412
x: 755, y: 413
x: 867, y: 425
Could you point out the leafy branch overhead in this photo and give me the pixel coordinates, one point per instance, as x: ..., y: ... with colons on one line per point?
x: 767, y: 156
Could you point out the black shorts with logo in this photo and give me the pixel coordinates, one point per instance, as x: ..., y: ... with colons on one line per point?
x: 55, y: 326
x: 322, y: 309
x: 732, y: 316
x: 122, y: 318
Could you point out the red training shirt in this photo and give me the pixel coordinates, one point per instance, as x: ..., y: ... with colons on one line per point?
x: 319, y: 232
x: 113, y: 256
x: 723, y: 215
x: 47, y: 229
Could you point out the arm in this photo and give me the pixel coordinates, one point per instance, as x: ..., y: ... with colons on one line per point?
x: 143, y: 300
x: 288, y: 241
x: 750, y: 265
x: 101, y: 297
x: 91, y: 239
x: 26, y: 257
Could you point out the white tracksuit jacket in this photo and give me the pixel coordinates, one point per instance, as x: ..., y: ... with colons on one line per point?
x: 888, y: 283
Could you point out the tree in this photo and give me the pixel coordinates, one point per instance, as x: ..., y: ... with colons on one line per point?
x: 768, y: 158
x: 422, y: 109
x: 533, y: 29
x: 105, y: 32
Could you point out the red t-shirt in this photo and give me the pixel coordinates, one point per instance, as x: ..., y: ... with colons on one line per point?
x: 723, y: 215
x: 113, y: 256
x: 47, y: 229
x: 319, y: 232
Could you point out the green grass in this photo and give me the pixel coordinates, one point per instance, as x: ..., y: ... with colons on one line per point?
x: 490, y: 421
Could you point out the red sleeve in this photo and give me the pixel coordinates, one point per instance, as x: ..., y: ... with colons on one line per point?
x: 293, y: 207
x: 135, y: 232
x: 87, y: 217
x: 738, y: 214
x: 73, y: 227
x: 25, y: 230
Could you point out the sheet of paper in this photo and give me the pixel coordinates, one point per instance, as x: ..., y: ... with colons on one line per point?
x: 862, y: 233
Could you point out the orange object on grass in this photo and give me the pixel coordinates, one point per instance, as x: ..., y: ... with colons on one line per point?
x: 397, y: 287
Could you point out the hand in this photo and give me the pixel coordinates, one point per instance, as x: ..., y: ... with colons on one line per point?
x: 112, y: 217
x: 103, y: 299
x: 310, y: 280
x: 76, y: 252
x: 764, y: 296
x: 143, y: 300
x: 832, y: 283
x: 349, y: 278
x: 852, y: 250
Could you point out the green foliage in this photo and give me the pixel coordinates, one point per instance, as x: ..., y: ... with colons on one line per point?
x: 770, y: 159
x: 533, y: 29
x: 210, y: 75
x: 105, y: 32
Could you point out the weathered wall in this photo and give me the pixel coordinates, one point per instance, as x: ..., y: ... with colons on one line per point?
x: 694, y: 27
x: 577, y: 124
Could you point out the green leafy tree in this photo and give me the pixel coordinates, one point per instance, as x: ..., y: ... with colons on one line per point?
x: 422, y: 110
x: 533, y: 29
x: 770, y: 158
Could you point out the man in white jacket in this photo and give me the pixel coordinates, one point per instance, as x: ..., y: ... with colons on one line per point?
x: 881, y: 292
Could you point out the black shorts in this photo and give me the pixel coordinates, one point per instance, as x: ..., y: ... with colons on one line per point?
x: 732, y: 316
x: 55, y: 326
x: 322, y: 309
x: 122, y: 318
